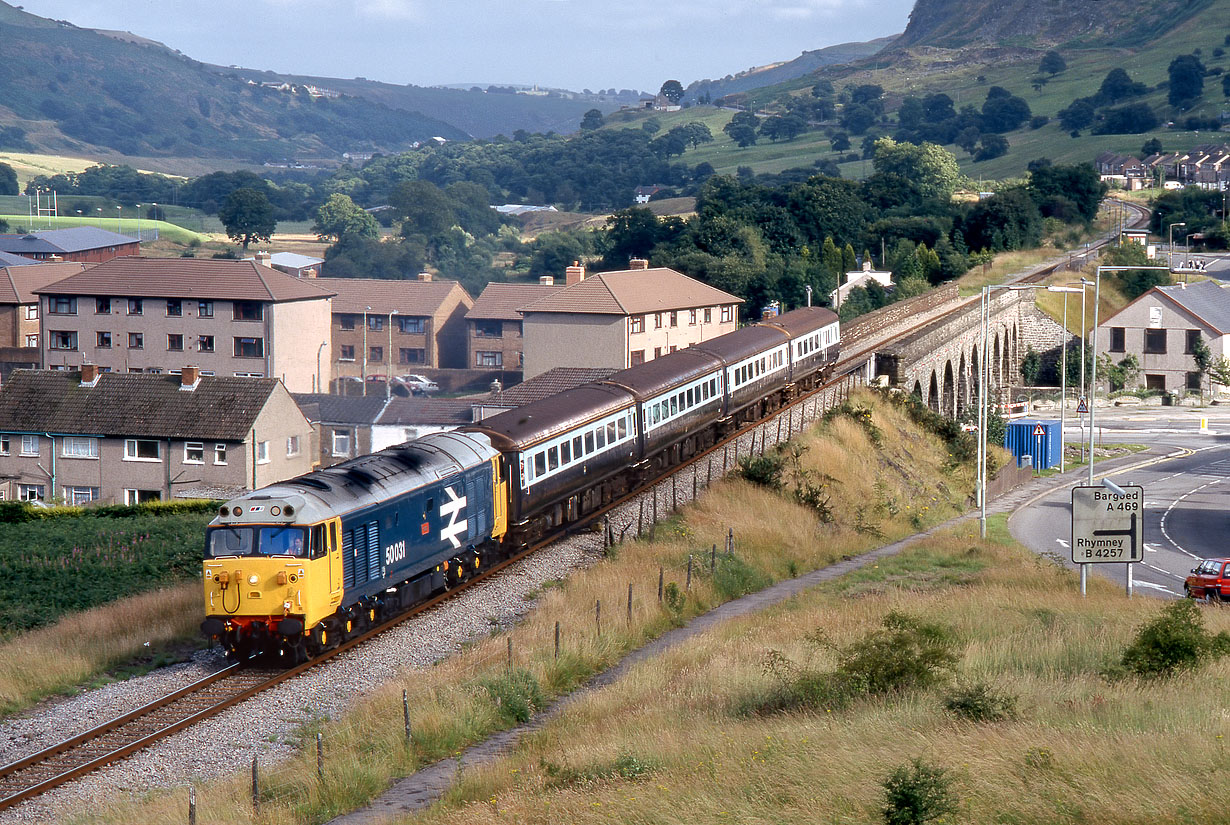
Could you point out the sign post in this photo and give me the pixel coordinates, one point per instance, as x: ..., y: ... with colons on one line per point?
x: 1108, y: 527
x: 1039, y: 433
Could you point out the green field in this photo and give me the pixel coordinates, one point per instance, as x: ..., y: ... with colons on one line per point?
x: 126, y: 226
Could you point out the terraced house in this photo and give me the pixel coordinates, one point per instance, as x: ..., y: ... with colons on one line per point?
x: 156, y: 315
x: 80, y: 437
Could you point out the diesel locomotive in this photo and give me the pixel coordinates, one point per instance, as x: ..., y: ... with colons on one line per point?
x: 298, y: 567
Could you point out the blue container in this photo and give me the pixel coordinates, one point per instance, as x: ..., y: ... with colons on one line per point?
x: 1040, y: 441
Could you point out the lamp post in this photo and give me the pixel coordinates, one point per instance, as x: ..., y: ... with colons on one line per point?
x: 363, y: 370
x: 388, y: 378
x: 319, y: 385
x: 1187, y: 252
x: 100, y: 218
x: 1170, y: 246
x: 138, y: 223
x: 808, y: 290
x: 1063, y: 366
x: 119, y: 211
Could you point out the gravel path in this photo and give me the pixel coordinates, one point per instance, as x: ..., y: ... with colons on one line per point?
x: 265, y: 726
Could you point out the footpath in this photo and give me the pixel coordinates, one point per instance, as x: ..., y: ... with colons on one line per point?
x: 429, y: 784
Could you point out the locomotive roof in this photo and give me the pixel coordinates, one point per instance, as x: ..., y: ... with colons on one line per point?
x: 663, y: 373
x: 742, y: 343
x: 527, y: 425
x: 369, y: 479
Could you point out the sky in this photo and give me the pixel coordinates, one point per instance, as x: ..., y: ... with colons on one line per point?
x: 572, y: 44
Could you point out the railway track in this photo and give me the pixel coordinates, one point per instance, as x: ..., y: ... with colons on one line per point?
x: 119, y: 738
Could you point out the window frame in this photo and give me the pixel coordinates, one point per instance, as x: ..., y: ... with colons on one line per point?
x: 79, y: 441
x: 242, y: 342
x: 136, y: 340
x: 132, y: 450
x: 171, y: 342
x: 191, y: 447
x: 1153, y: 348
x: 204, y: 309
x: 136, y: 306
x: 31, y: 445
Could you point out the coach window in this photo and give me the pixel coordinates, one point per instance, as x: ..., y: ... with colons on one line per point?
x: 600, y: 436
x: 577, y: 449
x: 540, y: 464
x: 552, y: 458
x: 610, y: 433
x: 589, y: 442
x: 622, y: 426
x: 565, y: 452
x: 691, y: 398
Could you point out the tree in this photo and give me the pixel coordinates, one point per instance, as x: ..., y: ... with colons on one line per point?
x: 1003, y: 111
x: 652, y: 126
x: 1131, y: 119
x: 1153, y: 146
x: 742, y: 128
x: 1225, y: 85
x: 1186, y: 79
x: 1219, y: 371
x: 1078, y: 115
x: 911, y: 112
x: 247, y: 216
x: 1079, y: 183
x: 784, y: 127
x: 8, y: 180
x: 1031, y: 366
x: 341, y: 217
x: 857, y: 118
x: 672, y: 90
x: 1120, y: 375
x: 932, y: 168
x: 592, y: 120
x: 991, y: 146
x: 1052, y: 63
x: 697, y: 133
x: 841, y: 141
x: 1118, y: 86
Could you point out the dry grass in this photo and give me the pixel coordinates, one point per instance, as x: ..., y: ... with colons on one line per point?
x: 668, y: 744
x: 54, y: 659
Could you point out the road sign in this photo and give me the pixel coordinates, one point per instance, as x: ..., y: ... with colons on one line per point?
x: 1107, y: 527
x: 1039, y: 431
x: 1081, y: 406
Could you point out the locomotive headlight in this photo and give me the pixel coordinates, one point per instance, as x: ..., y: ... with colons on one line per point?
x: 253, y: 579
x: 275, y: 510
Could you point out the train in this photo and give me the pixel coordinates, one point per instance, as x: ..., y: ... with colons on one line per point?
x: 296, y: 568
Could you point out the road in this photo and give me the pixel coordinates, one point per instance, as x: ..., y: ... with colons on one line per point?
x: 1186, y: 476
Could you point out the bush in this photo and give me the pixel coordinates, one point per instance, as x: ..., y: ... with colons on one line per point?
x: 1173, y: 641
x: 918, y: 793
x: 765, y: 470
x: 906, y: 653
x: 734, y: 577
x: 516, y: 694
x: 980, y: 702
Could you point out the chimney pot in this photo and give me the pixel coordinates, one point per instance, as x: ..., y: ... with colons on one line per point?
x: 89, y: 374
x: 425, y: 276
x: 263, y: 258
x: 189, y: 378
x: 638, y: 263
x: 309, y: 273
x: 546, y: 280
x: 574, y: 274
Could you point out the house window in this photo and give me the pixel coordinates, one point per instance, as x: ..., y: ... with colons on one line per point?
x: 292, y: 446
x: 29, y: 445
x: 76, y: 496
x: 31, y: 340
x: 63, y: 306
x: 31, y: 492
x: 657, y: 352
x: 194, y: 452
x: 32, y: 312
x: 345, y: 322
x: 205, y: 343
x: 346, y: 352
x: 6, y: 445
x: 708, y: 315
x: 63, y: 339
x: 262, y: 452
x: 727, y: 314
x: 410, y: 326
x: 488, y: 329
x: 136, y: 306
x: 134, y: 497
x: 1155, y: 382
x: 638, y: 323
x: 249, y: 347
x: 638, y: 357
x: 1155, y: 342
x: 692, y: 317
x: 375, y: 323
x: 488, y: 359
x: 409, y: 356
x: 341, y: 443
x: 1193, y: 340
x: 79, y: 447
x: 247, y: 311
x: 102, y: 306
x: 219, y: 454
x: 142, y: 449
x: 249, y: 375
x: 1193, y: 380
x: 674, y: 318
x: 205, y: 309
x: 657, y: 320
x: 1116, y: 339
x: 376, y: 354
x: 103, y: 340
x: 175, y: 309
x: 175, y: 342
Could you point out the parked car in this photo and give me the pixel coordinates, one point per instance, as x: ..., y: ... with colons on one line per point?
x: 1209, y: 581
x: 418, y: 384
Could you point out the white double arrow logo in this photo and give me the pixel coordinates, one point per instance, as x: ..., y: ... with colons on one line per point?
x: 452, y: 508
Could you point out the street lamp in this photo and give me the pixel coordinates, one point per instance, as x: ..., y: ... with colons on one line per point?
x: 138, y: 223
x: 807, y: 288
x: 319, y: 385
x: 1187, y: 252
x: 363, y: 372
x: 1063, y: 365
x: 119, y: 211
x: 1170, y: 246
x: 388, y: 382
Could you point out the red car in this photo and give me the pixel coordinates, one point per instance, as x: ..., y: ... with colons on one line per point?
x: 1210, y: 581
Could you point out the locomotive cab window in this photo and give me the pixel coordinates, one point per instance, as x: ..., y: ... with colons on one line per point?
x: 316, y: 543
x: 255, y: 541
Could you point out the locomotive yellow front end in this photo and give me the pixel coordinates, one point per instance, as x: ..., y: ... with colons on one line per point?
x: 269, y: 577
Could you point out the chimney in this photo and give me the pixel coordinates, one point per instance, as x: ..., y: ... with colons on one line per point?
x: 867, y: 265
x: 263, y: 259
x: 574, y: 274
x: 546, y: 280
x: 189, y: 379
x: 425, y: 277
x: 638, y: 263
x: 89, y: 375
x: 310, y: 273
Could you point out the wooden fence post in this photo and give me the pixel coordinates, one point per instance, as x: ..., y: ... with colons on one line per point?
x: 598, y: 615
x: 320, y: 757
x: 191, y: 806
x: 256, y: 789
x: 688, y: 585
x: 557, y: 640
x: 510, y: 663
x: 629, y: 604
x: 713, y: 560
x: 661, y: 580
x: 405, y: 712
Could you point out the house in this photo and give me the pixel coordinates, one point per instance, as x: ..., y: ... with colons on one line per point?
x: 88, y: 244
x: 342, y: 425
x: 87, y: 436
x: 550, y: 383
x: 228, y: 318
x: 1124, y: 171
x: 292, y: 263
x: 859, y: 278
x: 644, y: 194
x: 19, y: 305
x: 494, y: 332
x: 403, y: 419
x: 382, y: 328
x: 619, y: 319
x: 1161, y: 328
